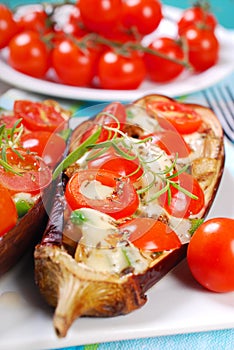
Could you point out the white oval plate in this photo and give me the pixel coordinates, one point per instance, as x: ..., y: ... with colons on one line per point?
x: 185, y: 84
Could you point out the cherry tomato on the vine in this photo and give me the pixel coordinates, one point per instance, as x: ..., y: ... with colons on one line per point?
x: 211, y: 255
x: 160, y: 69
x: 36, y: 20
x: 203, y: 47
x: 121, y: 71
x: 73, y: 65
x: 29, y: 54
x: 199, y: 15
x: 145, y: 15
x: 181, y: 205
x: 100, y: 16
x: 8, y: 26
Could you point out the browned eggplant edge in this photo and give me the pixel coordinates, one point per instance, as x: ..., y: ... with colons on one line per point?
x: 52, y: 239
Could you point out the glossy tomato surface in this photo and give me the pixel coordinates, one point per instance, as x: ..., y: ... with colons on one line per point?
x: 9, y: 216
x: 211, y: 254
x: 122, y: 202
x: 149, y: 234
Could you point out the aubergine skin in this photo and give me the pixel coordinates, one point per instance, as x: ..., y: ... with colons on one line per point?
x: 74, y: 289
x: 27, y: 232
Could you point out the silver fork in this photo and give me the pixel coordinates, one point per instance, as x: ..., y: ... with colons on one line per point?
x: 221, y: 100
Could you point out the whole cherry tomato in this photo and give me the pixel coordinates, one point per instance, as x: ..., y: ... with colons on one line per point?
x: 73, y: 65
x: 121, y: 71
x: 161, y: 69
x: 211, y: 254
x: 8, y: 26
x: 36, y: 20
x: 100, y: 16
x: 145, y: 15
x: 203, y: 47
x: 9, y: 216
x: 181, y: 205
x: 29, y: 54
x: 197, y: 14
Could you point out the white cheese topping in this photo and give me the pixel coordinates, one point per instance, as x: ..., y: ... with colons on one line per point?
x: 95, y: 190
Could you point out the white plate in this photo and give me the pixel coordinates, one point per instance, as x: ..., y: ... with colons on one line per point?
x: 176, y: 304
x: 185, y: 84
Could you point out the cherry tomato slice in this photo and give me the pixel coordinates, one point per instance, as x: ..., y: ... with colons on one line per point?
x: 34, y: 174
x: 171, y: 142
x: 149, y: 234
x: 39, y: 116
x: 122, y: 202
x: 112, y: 161
x: 211, y: 254
x: 182, y: 205
x: 49, y: 146
x: 9, y: 216
x: 115, y: 109
x: 181, y: 117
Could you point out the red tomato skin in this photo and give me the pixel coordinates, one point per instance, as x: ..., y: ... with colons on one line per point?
x: 196, y: 15
x: 182, y: 206
x: 210, y: 255
x: 100, y: 16
x: 203, y: 47
x: 73, y: 66
x: 162, y: 70
x: 125, y: 204
x: 9, y: 216
x: 145, y: 15
x: 171, y: 142
x: 8, y: 26
x: 34, y: 20
x: 49, y: 146
x: 175, y: 116
x: 149, y: 234
x: 30, y: 112
x: 120, y: 72
x: 35, y: 175
x: 29, y: 55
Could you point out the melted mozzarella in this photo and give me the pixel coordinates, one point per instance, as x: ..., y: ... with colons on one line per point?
x: 103, y: 249
x: 95, y: 190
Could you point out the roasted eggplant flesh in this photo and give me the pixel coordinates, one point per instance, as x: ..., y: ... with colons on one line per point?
x: 85, y: 264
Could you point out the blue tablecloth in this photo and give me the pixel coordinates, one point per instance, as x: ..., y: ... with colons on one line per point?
x: 212, y: 340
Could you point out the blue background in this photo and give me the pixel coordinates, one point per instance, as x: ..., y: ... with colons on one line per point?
x: 219, y: 7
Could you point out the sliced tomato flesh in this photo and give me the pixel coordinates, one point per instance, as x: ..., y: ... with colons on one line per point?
x: 122, y: 200
x: 175, y: 116
x: 150, y: 234
x: 32, y: 174
x: 9, y: 216
x: 39, y: 116
x: 181, y: 205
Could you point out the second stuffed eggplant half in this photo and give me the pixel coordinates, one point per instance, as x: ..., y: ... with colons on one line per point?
x: 136, y: 183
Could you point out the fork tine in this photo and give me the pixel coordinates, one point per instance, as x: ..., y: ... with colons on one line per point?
x: 221, y: 101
